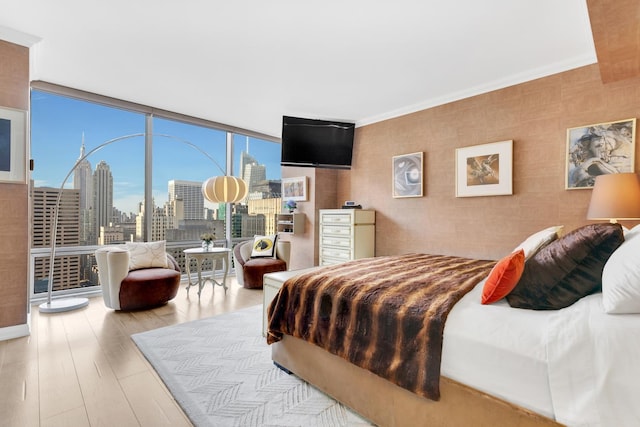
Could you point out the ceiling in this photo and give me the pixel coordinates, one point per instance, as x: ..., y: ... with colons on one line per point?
x: 246, y: 63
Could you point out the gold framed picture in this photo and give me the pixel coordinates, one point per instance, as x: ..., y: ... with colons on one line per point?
x: 599, y: 149
x: 485, y: 170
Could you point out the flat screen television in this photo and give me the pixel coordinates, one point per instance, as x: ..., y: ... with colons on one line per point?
x: 316, y: 143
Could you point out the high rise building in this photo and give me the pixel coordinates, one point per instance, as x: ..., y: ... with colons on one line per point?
x: 111, y: 234
x: 159, y: 223
x: 251, y: 171
x: 67, y: 271
x: 190, y: 192
x: 174, y: 211
x: 267, y: 208
x: 83, y: 182
x: 102, y: 197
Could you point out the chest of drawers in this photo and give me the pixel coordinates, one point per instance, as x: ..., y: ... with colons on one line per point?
x: 346, y: 234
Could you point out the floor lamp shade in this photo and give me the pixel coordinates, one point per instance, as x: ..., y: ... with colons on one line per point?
x: 615, y: 197
x: 224, y: 189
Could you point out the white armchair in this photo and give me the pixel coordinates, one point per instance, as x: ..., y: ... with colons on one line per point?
x: 124, y: 289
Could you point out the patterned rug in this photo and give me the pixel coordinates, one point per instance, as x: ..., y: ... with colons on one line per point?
x: 220, y: 372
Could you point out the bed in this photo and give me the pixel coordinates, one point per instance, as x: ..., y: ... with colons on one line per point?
x: 501, y: 365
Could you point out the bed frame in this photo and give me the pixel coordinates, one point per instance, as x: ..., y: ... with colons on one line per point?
x: 389, y: 405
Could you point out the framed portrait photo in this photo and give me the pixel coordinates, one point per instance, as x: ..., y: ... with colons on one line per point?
x: 485, y: 170
x: 12, y: 145
x: 295, y: 189
x: 599, y: 149
x: 407, y: 175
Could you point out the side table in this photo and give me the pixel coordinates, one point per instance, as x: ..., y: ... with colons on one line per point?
x: 201, y: 255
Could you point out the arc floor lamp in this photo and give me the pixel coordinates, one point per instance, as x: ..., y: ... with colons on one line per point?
x: 218, y: 189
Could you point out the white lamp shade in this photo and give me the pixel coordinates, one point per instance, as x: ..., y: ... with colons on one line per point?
x: 615, y: 197
x: 224, y: 189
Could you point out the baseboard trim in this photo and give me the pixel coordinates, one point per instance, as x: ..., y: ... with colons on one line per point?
x: 17, y: 331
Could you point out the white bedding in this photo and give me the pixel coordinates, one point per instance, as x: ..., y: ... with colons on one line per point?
x: 577, y: 365
x: 485, y: 347
x: 594, y: 365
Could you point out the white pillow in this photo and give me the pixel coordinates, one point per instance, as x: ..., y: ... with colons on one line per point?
x: 264, y: 246
x: 631, y: 232
x: 147, y: 254
x: 621, y: 278
x: 537, y: 241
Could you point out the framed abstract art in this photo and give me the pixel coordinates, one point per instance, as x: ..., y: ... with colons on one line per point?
x: 407, y: 175
x: 12, y: 145
x: 485, y: 170
x: 599, y: 149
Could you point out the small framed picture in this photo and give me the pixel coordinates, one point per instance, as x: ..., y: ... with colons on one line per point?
x: 12, y: 145
x: 295, y: 189
x: 599, y: 149
x: 485, y: 170
x: 407, y: 175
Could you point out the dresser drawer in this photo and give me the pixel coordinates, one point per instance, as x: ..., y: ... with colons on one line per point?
x: 336, y: 218
x: 330, y: 261
x: 336, y: 230
x: 336, y: 253
x: 339, y: 241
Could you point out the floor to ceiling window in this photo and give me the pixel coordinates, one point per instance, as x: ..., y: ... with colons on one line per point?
x: 101, y: 150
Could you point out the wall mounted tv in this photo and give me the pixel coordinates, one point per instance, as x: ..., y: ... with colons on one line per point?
x: 316, y: 143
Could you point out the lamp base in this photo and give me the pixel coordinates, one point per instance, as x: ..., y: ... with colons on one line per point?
x: 65, y: 304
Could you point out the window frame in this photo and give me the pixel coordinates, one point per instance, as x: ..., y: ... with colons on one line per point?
x: 149, y: 114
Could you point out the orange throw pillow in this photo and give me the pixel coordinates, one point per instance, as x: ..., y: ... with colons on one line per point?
x: 503, y: 278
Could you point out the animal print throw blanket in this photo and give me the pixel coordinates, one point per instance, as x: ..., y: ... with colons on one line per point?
x: 384, y: 314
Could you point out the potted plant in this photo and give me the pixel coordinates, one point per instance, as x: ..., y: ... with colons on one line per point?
x: 207, y: 241
x: 291, y: 205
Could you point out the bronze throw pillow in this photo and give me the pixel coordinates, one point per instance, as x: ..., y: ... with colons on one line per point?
x: 567, y: 269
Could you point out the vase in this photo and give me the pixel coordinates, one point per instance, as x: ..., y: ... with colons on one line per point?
x: 207, y: 246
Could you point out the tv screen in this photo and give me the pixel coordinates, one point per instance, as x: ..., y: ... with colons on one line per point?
x: 316, y: 143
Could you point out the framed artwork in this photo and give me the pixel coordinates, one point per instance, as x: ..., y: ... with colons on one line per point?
x: 12, y: 145
x: 295, y: 189
x: 485, y: 170
x: 407, y: 175
x: 599, y: 149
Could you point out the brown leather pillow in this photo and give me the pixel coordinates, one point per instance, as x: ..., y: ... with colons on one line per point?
x: 567, y: 269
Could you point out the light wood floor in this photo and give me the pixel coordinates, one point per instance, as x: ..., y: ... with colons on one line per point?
x: 81, y: 368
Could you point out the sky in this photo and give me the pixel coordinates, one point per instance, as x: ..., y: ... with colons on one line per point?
x: 59, y: 124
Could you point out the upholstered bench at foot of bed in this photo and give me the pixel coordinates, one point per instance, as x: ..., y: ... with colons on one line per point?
x: 148, y: 288
x: 255, y: 268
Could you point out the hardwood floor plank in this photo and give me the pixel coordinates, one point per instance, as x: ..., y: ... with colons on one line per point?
x: 75, y: 417
x: 104, y: 399
x: 58, y: 381
x: 81, y: 368
x: 19, y: 380
x: 152, y: 402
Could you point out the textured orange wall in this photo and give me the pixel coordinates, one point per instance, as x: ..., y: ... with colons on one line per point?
x: 535, y: 115
x: 322, y: 192
x: 14, y: 213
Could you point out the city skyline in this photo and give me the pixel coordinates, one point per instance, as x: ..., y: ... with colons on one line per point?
x: 59, y: 125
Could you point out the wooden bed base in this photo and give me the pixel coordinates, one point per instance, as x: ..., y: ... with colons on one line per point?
x: 389, y: 405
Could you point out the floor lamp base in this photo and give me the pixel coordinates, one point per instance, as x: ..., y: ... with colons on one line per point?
x: 65, y: 304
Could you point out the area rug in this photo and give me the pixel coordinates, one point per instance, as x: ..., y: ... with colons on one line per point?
x: 220, y: 372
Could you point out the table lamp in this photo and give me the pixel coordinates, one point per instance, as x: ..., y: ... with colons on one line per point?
x: 615, y: 197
